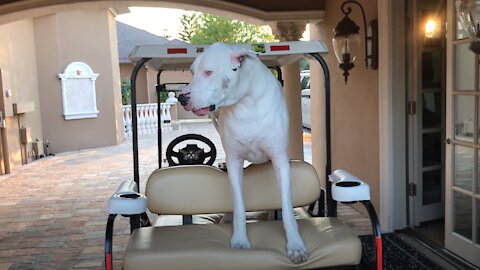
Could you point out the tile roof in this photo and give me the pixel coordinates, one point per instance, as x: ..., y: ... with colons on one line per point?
x: 128, y: 37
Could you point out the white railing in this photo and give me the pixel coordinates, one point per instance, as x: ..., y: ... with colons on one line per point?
x: 147, y: 118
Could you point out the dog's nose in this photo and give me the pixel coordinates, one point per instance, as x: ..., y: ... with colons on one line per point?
x: 183, y: 99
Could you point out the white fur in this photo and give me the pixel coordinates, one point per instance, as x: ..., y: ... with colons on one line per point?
x: 253, y: 125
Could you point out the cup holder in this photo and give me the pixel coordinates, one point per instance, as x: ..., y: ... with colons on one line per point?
x: 127, y: 201
x: 348, y: 184
x: 349, y: 189
x: 129, y: 196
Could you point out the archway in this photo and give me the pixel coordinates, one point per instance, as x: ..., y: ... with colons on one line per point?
x: 258, y: 12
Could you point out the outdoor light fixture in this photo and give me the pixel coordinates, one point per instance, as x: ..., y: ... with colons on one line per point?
x: 346, y: 41
x: 468, y: 12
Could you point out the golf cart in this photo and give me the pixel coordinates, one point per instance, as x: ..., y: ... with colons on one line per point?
x: 189, y: 190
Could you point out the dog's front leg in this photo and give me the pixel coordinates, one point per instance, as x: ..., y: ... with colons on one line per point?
x: 296, y: 250
x: 235, y: 174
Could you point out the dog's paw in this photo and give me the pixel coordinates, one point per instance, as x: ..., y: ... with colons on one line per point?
x: 297, y: 253
x: 240, y: 243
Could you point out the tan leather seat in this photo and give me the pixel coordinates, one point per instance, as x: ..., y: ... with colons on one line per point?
x: 191, y: 190
x: 173, y: 220
x: 196, y: 247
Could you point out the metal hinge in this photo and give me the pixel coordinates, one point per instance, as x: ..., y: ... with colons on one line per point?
x: 412, y: 107
x: 412, y: 189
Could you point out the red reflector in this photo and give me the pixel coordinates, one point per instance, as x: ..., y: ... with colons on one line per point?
x: 176, y: 50
x: 280, y: 48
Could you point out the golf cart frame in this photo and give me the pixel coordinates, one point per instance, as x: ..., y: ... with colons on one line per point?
x: 273, y: 55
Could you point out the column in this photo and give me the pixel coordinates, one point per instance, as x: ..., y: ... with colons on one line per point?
x: 317, y: 107
x: 151, y: 83
x: 292, y: 31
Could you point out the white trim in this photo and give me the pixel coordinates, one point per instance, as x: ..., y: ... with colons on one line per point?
x: 73, y: 116
x: 391, y: 96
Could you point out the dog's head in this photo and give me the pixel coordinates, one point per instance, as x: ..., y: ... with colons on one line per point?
x: 217, y: 79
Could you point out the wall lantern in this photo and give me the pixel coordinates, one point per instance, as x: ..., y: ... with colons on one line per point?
x: 468, y: 12
x: 432, y: 29
x: 346, y: 41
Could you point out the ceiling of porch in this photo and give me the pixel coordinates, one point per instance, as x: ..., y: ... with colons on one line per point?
x: 253, y: 11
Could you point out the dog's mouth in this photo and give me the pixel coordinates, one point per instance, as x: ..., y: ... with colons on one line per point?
x: 205, y: 110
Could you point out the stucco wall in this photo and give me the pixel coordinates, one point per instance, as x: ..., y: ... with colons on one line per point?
x: 87, y: 36
x: 142, y: 92
x: 17, y: 55
x: 354, y: 106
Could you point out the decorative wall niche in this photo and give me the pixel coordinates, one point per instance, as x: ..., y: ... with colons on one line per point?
x: 78, y: 91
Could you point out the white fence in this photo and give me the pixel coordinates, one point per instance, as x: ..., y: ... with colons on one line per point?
x: 147, y: 118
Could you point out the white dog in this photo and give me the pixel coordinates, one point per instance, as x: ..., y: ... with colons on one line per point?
x: 253, y: 125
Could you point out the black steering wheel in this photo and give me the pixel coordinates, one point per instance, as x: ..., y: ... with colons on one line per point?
x: 191, y: 154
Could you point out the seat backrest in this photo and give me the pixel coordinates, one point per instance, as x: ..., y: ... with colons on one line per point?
x: 188, y: 190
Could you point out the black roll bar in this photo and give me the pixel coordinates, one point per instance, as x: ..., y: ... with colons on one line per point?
x: 109, y: 243
x: 331, y: 204
x: 158, y: 88
x: 133, y: 100
x: 377, y: 233
x: 280, y: 75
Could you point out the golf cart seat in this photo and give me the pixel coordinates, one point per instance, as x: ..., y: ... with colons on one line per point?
x: 189, y: 190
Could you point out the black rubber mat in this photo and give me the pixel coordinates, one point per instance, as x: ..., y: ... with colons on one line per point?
x: 397, y: 254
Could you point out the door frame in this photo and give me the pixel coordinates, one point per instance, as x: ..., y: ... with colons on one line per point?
x: 418, y: 212
x: 392, y: 114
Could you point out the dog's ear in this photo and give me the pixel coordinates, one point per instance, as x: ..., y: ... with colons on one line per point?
x: 238, y: 56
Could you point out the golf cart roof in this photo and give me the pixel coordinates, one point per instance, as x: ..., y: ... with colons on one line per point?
x: 180, y: 57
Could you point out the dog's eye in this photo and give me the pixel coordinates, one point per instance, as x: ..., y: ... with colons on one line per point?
x: 207, y: 73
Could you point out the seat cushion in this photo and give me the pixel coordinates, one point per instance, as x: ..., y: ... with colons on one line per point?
x: 201, y: 189
x: 328, y: 240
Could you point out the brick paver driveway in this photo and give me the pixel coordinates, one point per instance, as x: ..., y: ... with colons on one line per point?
x: 53, y: 211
